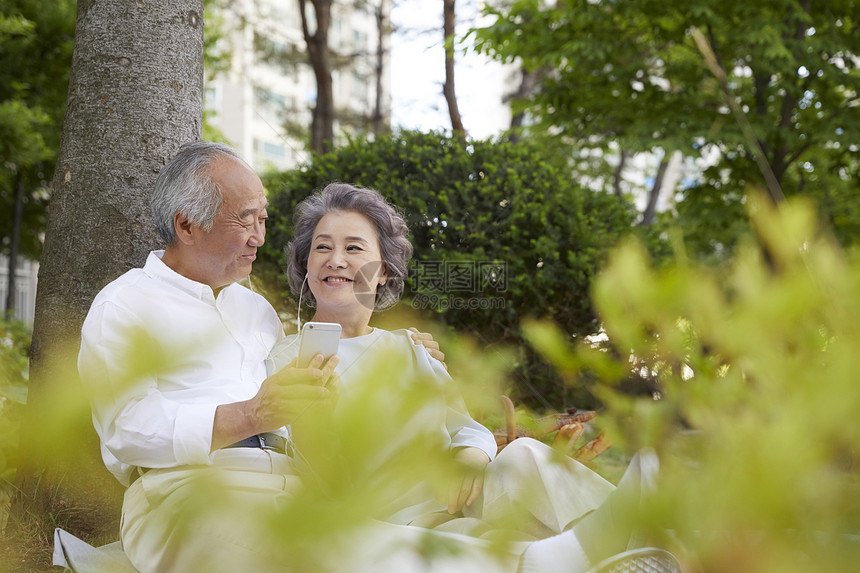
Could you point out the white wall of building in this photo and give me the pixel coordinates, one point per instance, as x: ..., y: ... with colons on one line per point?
x: 25, y: 287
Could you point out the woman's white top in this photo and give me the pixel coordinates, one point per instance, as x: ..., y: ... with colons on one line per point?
x: 394, y: 353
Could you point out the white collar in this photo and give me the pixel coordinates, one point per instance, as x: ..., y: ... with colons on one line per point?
x: 156, y: 269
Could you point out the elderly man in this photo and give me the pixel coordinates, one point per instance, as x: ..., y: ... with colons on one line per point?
x: 173, y: 357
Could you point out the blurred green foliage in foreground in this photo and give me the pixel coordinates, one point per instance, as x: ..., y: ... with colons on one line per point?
x: 757, y: 427
x: 756, y: 423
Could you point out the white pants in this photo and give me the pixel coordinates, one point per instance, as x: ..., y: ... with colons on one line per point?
x: 170, y: 524
x: 530, y: 489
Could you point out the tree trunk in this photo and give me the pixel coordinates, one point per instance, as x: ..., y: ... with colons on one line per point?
x: 617, y: 176
x: 448, y: 23
x: 651, y: 208
x: 528, y: 82
x: 378, y: 124
x: 135, y: 95
x: 322, y: 123
x: 14, y: 242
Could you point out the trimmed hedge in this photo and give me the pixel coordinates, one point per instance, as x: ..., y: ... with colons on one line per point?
x: 501, y: 232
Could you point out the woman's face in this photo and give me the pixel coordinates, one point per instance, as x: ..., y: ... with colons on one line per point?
x: 344, y: 264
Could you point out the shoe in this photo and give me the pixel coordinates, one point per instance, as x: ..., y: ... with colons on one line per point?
x: 644, y: 560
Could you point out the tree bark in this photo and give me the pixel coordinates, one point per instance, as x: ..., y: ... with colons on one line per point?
x: 14, y: 243
x: 135, y: 96
x: 448, y: 23
x: 322, y: 123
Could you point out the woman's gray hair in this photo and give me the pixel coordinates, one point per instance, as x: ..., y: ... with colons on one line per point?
x: 391, y: 231
x: 184, y: 186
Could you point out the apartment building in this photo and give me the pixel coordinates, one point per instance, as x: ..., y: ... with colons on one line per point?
x: 254, y: 101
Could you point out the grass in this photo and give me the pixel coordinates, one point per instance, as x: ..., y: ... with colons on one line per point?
x: 23, y: 552
x: 91, y: 513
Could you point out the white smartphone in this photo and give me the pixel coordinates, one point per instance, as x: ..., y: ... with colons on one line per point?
x: 322, y: 337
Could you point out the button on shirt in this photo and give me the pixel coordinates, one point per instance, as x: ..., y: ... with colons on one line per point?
x: 159, y: 353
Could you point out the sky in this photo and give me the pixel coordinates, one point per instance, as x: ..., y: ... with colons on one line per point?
x: 418, y: 72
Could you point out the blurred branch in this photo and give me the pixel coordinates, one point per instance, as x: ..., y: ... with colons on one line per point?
x: 773, y: 187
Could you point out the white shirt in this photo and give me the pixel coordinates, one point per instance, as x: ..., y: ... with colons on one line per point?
x: 357, y: 355
x: 159, y: 353
x: 383, y: 362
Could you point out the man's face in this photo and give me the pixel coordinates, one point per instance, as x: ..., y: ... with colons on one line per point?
x: 226, y: 253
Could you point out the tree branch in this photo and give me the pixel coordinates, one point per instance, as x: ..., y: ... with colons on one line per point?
x: 773, y: 187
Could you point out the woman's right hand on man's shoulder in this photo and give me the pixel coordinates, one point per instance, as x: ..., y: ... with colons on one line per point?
x: 425, y: 339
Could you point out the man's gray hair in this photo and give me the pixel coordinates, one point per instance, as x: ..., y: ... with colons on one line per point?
x: 184, y: 186
x: 391, y: 231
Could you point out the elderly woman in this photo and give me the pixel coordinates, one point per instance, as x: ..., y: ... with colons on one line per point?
x: 350, y: 253
x: 349, y: 258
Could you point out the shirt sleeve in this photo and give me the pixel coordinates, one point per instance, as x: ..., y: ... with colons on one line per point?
x: 463, y: 430
x: 137, y: 424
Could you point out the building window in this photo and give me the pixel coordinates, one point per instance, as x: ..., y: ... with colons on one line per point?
x: 268, y: 155
x: 211, y: 99
x: 269, y: 105
x: 274, y: 151
x: 282, y: 57
x: 359, y: 87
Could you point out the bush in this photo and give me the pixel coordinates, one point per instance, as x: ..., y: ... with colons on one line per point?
x: 500, y: 230
x: 14, y: 351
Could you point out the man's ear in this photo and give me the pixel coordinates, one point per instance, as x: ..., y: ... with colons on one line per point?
x: 183, y: 228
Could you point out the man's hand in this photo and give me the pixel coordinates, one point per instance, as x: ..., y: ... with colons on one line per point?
x: 282, y: 399
x: 289, y: 392
x: 426, y: 340
x: 466, y: 490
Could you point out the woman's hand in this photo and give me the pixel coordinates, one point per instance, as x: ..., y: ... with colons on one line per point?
x: 466, y: 490
x: 425, y: 339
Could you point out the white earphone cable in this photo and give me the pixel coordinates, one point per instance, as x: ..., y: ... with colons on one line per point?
x: 299, y: 310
